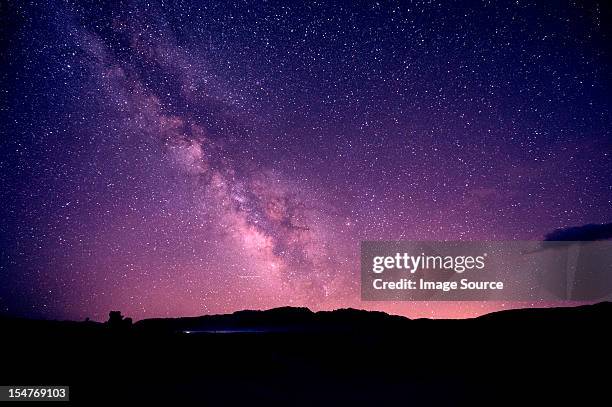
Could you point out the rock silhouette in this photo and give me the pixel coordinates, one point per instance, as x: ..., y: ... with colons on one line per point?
x: 117, y: 321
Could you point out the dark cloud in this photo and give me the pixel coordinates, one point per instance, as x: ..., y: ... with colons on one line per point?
x: 581, y: 233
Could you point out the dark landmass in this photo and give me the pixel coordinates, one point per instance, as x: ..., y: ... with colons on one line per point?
x: 293, y: 356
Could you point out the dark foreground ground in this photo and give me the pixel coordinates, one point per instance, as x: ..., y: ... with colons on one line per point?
x: 292, y: 356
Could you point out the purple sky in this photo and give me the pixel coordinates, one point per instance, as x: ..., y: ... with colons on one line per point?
x: 204, y: 157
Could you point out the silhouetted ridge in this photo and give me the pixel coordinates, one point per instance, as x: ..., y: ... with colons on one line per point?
x: 276, y: 319
x: 290, y: 319
x: 556, y: 314
x: 299, y: 319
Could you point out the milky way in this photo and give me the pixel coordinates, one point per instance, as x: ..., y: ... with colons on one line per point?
x: 191, y: 158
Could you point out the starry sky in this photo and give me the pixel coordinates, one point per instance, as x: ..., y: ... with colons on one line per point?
x: 193, y: 157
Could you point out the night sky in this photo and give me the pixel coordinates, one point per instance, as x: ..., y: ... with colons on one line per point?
x: 192, y: 157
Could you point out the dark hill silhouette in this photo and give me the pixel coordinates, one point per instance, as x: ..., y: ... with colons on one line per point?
x: 284, y: 319
x: 294, y: 356
x: 298, y: 319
